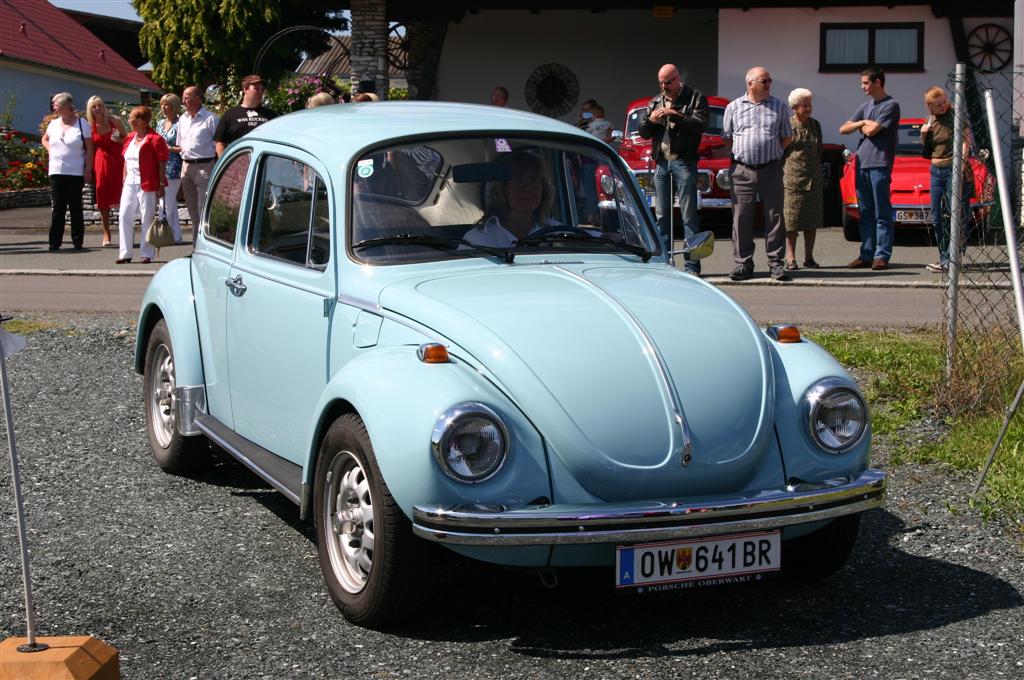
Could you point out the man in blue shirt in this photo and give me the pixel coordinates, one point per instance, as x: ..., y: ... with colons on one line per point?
x: 878, y: 121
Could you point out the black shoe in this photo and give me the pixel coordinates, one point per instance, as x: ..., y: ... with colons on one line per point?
x: 741, y: 273
x: 53, y: 249
x: 778, y: 272
x: 79, y: 248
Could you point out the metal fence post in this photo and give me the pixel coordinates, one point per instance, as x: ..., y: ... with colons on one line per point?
x: 956, y: 216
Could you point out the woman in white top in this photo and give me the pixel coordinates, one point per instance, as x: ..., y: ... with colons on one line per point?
x: 68, y: 141
x: 516, y: 207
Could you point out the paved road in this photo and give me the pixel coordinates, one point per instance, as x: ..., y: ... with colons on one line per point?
x: 906, y: 295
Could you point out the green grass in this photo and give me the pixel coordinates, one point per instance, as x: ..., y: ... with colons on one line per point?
x: 905, y: 371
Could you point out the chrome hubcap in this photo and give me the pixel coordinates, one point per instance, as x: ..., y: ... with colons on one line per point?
x: 162, y: 402
x: 348, y: 512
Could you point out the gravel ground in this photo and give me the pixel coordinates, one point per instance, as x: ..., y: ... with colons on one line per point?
x: 216, y: 577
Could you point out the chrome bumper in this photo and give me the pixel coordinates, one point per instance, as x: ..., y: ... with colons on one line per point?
x: 644, y: 521
x: 715, y: 203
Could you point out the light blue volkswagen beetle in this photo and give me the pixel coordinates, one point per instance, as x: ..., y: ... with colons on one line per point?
x: 427, y: 322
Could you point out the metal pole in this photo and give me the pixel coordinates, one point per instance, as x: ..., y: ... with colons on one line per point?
x: 1006, y: 207
x: 26, y: 572
x: 956, y: 218
x: 999, y: 440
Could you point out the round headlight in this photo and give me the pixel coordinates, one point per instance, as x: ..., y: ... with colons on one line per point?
x: 470, y: 442
x: 724, y: 179
x: 837, y: 416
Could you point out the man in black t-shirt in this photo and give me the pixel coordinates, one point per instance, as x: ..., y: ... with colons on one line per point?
x: 240, y: 120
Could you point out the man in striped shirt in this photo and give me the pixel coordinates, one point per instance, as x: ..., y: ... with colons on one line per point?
x: 758, y: 126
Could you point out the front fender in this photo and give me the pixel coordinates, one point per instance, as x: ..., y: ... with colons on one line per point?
x: 798, y: 366
x: 169, y: 297
x: 400, y: 398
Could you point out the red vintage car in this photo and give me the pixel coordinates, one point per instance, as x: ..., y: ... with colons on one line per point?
x: 713, y: 165
x: 714, y: 157
x: 909, y: 191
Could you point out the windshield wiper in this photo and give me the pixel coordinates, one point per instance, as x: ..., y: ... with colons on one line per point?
x: 457, y: 245
x: 582, y: 235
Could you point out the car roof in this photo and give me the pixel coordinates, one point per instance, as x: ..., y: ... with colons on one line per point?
x: 336, y: 132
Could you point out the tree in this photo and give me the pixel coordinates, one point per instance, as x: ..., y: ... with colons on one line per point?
x: 198, y: 42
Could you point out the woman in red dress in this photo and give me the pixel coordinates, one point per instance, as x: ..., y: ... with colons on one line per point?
x: 108, y: 168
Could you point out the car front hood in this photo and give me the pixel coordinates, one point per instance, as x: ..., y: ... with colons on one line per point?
x: 601, y: 358
x: 910, y: 179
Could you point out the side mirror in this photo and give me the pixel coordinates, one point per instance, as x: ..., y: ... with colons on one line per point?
x: 847, y: 155
x: 617, y: 134
x: 983, y: 155
x: 698, y: 246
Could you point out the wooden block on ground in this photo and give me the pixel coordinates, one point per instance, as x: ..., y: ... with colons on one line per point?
x: 79, y: 657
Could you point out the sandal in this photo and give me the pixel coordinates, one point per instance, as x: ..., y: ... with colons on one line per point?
x: 811, y: 264
x: 791, y: 265
x: 105, y: 244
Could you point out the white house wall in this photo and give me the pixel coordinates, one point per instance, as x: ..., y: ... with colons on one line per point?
x: 787, y: 42
x: 32, y: 88
x: 614, y: 54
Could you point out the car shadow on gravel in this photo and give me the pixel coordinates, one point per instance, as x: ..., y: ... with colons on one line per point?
x: 881, y: 591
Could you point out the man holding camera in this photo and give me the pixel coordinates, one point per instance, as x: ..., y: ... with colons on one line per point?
x: 675, y: 121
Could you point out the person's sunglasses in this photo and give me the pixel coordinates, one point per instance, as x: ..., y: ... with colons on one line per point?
x: 667, y: 82
x: 764, y: 81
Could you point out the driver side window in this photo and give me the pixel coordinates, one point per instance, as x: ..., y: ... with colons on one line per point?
x: 292, y: 219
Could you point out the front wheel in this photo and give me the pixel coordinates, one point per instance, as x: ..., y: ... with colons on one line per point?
x: 371, y: 561
x: 820, y: 553
x: 174, y: 452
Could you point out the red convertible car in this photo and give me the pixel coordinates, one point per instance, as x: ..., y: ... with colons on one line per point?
x: 909, y: 191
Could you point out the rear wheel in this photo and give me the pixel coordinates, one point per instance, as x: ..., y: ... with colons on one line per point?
x: 820, y: 553
x: 851, y: 228
x: 173, y: 452
x: 371, y: 561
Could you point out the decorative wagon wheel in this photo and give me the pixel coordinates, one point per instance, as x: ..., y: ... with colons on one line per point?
x: 398, y: 47
x: 990, y: 47
x: 552, y: 90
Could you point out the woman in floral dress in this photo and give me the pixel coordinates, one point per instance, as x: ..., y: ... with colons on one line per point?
x: 801, y: 179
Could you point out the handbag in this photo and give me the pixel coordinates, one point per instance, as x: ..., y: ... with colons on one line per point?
x: 160, y: 235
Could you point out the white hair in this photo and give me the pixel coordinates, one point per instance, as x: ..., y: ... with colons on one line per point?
x: 798, y: 95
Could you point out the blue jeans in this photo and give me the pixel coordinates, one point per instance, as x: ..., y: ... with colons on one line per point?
x: 684, y: 185
x: 873, y: 200
x: 941, y: 194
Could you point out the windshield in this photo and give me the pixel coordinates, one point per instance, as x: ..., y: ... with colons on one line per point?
x: 636, y: 116
x: 909, y: 140
x: 494, y: 197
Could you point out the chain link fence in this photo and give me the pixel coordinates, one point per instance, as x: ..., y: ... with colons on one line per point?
x: 984, y: 359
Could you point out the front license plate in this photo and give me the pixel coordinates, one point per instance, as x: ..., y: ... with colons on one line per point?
x: 697, y: 560
x: 912, y: 216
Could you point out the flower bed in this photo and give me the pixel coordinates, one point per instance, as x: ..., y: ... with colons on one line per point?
x: 23, y: 163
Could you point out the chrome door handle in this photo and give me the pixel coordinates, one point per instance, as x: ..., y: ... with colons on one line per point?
x: 237, y: 287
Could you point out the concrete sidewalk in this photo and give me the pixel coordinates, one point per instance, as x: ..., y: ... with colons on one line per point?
x: 23, y: 250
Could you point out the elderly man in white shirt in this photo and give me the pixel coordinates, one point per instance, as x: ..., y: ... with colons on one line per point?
x: 198, y: 151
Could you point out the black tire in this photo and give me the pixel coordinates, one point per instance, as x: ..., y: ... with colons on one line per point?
x: 376, y: 585
x: 174, y: 453
x: 851, y: 228
x: 821, y: 553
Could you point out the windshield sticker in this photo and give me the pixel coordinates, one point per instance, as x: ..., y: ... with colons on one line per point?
x: 364, y: 168
x: 502, y: 145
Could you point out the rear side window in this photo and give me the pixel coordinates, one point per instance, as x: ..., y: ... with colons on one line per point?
x: 292, y: 220
x: 225, y: 200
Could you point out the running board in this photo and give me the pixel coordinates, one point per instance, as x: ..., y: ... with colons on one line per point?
x: 281, y: 474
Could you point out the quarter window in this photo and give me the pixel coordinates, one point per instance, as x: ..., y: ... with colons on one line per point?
x: 292, y: 218
x: 849, y: 48
x: 225, y: 200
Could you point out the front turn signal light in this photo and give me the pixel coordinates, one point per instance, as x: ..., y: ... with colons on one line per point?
x: 433, y: 353
x: 784, y: 333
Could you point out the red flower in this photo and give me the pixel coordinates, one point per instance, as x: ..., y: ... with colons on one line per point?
x: 24, y: 141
